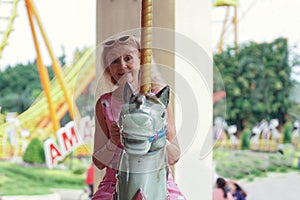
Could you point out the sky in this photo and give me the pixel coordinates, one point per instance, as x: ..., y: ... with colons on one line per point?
x: 264, y: 20
x: 67, y: 24
x: 73, y: 25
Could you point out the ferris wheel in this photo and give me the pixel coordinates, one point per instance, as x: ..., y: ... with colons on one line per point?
x: 8, y: 14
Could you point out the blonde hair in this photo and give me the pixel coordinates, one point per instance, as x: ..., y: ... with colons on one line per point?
x: 107, y: 84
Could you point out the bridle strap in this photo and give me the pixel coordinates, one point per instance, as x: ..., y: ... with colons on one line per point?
x: 158, y: 135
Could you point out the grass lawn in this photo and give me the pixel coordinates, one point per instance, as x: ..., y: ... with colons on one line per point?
x: 17, y: 179
x: 246, y: 164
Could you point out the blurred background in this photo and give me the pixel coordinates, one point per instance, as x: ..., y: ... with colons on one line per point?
x: 256, y: 126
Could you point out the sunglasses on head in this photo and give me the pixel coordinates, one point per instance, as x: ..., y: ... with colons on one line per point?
x: 120, y: 40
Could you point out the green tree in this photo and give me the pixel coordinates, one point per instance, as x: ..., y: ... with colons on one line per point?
x: 257, y: 81
x: 34, y: 152
x: 245, y: 138
x: 19, y: 86
x: 287, y: 131
x: 62, y: 58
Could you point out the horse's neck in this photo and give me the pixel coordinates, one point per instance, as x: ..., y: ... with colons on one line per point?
x: 143, y: 173
x: 150, y: 161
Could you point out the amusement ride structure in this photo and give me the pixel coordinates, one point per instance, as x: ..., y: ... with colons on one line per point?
x: 228, y: 5
x: 43, y: 117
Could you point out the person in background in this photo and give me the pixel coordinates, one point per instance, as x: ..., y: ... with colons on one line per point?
x: 237, y: 191
x: 90, y: 179
x: 220, y: 192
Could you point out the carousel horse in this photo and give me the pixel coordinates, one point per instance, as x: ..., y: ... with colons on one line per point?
x: 143, y: 169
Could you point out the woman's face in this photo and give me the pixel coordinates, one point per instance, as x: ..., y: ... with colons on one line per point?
x: 125, y: 68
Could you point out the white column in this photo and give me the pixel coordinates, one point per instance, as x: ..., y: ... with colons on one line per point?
x: 193, y: 108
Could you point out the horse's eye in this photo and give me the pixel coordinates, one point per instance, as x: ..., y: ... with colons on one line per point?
x: 163, y: 115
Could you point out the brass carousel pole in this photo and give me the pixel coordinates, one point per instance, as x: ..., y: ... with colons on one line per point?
x: 146, y: 45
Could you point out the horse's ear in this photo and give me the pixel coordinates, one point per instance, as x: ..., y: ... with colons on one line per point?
x: 128, y: 92
x: 163, y: 95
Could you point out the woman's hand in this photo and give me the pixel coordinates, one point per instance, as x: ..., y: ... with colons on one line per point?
x: 115, y: 133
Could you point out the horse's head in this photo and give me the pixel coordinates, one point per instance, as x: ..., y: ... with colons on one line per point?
x: 143, y: 120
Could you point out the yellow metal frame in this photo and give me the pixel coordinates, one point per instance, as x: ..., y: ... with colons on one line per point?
x: 228, y: 4
x: 43, y: 73
x: 10, y: 28
x: 225, y: 3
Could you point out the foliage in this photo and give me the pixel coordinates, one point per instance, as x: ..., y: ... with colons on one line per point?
x: 245, y: 137
x: 248, y: 164
x: 287, y: 132
x: 294, y: 110
x: 79, y: 170
x: 34, y: 152
x: 19, y: 86
x: 29, y: 180
x: 257, y: 81
x: 2, y: 117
